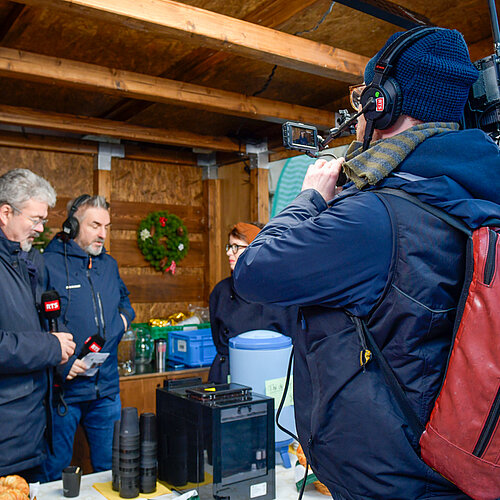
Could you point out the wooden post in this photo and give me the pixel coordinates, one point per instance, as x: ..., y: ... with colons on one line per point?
x: 102, y: 175
x: 212, y: 203
x: 259, y: 187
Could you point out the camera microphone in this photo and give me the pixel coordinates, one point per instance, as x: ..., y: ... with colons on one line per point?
x: 93, y: 344
x: 51, y: 308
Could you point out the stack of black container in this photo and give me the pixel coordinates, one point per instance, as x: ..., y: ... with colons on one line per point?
x: 134, y: 459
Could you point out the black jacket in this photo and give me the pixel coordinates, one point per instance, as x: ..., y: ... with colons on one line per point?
x: 26, y: 354
x: 231, y: 315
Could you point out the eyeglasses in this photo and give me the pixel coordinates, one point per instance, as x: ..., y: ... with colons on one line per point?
x: 355, y: 92
x: 234, y: 247
x: 34, y: 220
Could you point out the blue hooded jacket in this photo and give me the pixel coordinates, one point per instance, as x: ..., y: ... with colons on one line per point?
x: 399, y: 268
x: 27, y: 355
x: 92, y: 298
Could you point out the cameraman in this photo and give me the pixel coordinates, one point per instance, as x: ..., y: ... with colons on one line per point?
x: 381, y: 258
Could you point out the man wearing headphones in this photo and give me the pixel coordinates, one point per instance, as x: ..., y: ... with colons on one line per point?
x: 94, y: 304
x: 364, y: 254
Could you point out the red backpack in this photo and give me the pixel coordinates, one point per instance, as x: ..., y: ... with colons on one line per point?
x: 461, y: 440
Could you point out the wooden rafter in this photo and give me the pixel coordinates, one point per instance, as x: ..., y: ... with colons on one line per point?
x: 108, y: 128
x: 46, y: 69
x: 85, y: 147
x: 390, y: 12
x: 11, y: 22
x: 195, y: 63
x: 174, y: 19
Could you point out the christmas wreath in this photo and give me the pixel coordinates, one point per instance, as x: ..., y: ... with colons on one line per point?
x: 163, y: 240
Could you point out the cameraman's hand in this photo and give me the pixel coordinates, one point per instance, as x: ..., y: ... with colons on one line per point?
x: 322, y: 176
x: 67, y: 345
x: 78, y: 368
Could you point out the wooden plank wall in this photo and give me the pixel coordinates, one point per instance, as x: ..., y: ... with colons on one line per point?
x: 137, y: 189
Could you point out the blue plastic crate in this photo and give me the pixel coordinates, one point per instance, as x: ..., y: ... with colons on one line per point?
x: 193, y: 348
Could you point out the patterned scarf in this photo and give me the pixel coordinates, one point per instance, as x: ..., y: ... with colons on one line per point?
x: 384, y: 155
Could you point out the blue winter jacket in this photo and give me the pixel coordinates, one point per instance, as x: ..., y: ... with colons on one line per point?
x: 92, y: 298
x: 401, y: 269
x: 27, y: 353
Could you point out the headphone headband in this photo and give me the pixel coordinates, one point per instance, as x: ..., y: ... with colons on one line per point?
x: 77, y: 203
x: 71, y: 226
x: 386, y: 60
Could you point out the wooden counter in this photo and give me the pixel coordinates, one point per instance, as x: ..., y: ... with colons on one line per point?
x: 138, y: 391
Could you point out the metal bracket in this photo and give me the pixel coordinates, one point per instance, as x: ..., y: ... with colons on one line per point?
x: 208, y: 163
x: 257, y: 148
x: 258, y: 155
x: 106, y: 151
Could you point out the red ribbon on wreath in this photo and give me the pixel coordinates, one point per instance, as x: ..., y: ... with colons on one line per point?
x: 171, y: 267
x: 163, y: 221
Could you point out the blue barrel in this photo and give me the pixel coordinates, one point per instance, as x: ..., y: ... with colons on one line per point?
x: 260, y: 358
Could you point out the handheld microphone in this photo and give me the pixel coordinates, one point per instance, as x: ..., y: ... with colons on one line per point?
x: 51, y: 308
x: 93, y: 344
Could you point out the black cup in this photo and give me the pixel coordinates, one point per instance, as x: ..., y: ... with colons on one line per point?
x: 129, y: 423
x: 71, y: 477
x: 115, y: 460
x: 148, y: 427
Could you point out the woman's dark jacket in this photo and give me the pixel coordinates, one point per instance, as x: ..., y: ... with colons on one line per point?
x: 92, y: 298
x: 231, y: 315
x: 27, y: 354
x: 400, y: 268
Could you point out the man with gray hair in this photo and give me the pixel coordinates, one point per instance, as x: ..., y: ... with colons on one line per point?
x: 94, y: 303
x: 27, y: 352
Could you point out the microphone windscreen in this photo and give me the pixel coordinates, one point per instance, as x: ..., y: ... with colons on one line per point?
x: 51, y: 304
x: 93, y: 344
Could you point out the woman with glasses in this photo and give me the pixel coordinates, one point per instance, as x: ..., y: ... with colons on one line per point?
x: 230, y: 315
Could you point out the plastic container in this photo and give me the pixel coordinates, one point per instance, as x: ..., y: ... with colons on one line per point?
x: 259, y: 359
x: 192, y: 347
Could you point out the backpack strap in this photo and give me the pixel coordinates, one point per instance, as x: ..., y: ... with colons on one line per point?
x: 438, y: 212
x: 363, y: 330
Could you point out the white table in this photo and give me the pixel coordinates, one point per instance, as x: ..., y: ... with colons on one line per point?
x: 285, y: 487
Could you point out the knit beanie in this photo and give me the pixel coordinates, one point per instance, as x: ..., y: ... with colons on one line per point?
x: 434, y: 73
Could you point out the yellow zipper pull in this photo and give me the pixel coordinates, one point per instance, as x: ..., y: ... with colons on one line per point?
x: 364, y: 356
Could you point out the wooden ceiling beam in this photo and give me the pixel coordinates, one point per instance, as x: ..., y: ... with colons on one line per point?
x: 48, y: 143
x: 181, y: 21
x: 46, y: 69
x: 197, y: 62
x: 11, y: 22
x: 107, y: 128
x: 85, y: 147
x: 389, y: 12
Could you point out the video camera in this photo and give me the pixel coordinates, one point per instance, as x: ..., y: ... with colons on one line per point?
x: 483, y: 106
x: 305, y: 138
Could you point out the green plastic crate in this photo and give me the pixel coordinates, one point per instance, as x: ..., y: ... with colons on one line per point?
x: 161, y: 332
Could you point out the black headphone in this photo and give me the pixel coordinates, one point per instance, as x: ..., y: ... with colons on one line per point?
x: 71, y: 225
x: 383, y: 96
